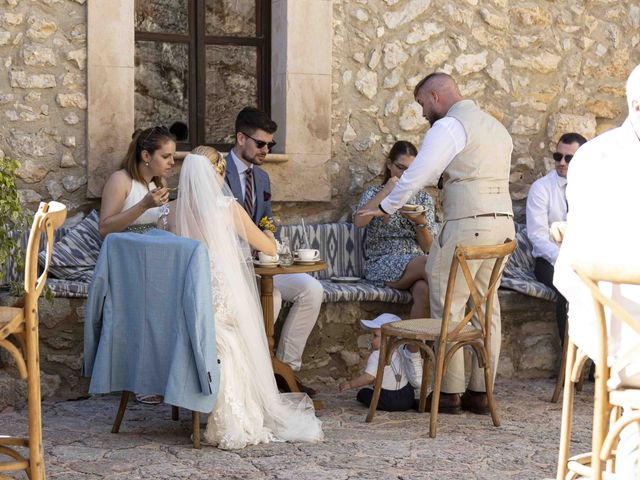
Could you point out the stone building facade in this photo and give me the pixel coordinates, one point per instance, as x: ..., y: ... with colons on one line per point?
x: 541, y: 68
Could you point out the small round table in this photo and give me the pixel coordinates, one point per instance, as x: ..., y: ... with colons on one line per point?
x: 266, y: 298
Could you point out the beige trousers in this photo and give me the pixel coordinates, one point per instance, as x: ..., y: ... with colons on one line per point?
x: 305, y: 294
x: 466, y: 231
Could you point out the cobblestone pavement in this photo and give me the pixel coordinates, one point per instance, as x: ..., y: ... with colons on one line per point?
x: 79, y: 445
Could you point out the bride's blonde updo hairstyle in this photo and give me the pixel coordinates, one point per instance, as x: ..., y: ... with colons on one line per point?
x: 214, y: 156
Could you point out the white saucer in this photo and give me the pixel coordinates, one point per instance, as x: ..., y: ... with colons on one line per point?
x: 266, y: 264
x: 307, y: 262
x: 345, y: 279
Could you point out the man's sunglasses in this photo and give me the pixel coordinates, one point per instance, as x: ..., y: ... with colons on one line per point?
x: 557, y: 156
x: 261, y: 143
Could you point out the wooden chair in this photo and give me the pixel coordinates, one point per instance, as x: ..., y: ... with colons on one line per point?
x: 449, y: 338
x: 19, y: 336
x: 607, y: 421
x: 557, y: 231
x: 175, y: 415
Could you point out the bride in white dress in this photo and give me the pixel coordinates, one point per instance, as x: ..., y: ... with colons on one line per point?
x: 249, y: 409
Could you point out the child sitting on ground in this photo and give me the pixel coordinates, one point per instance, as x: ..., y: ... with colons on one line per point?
x: 396, y: 394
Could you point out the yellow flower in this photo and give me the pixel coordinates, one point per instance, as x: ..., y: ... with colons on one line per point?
x: 266, y: 223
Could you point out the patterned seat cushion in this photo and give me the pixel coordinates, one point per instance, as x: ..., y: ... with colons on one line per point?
x: 518, y: 273
x: 340, y: 245
x: 75, y: 255
x: 68, y: 288
x: 362, y: 292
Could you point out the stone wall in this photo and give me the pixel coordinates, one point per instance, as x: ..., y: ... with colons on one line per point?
x: 42, y: 98
x: 542, y: 68
x: 336, y: 350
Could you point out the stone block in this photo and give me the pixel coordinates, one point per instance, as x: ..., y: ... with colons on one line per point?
x: 560, y: 123
x: 41, y: 28
x: 38, y: 55
x: 406, y: 14
x: 20, y: 79
x: 72, y: 100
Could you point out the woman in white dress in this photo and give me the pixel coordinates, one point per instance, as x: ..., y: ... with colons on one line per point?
x: 133, y: 196
x: 249, y: 409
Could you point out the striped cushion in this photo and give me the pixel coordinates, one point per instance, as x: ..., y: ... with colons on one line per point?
x: 362, y: 292
x: 340, y: 245
x: 68, y: 288
x: 74, y: 257
x: 518, y: 272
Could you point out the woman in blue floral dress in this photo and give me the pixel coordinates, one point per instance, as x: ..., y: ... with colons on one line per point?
x: 395, y: 246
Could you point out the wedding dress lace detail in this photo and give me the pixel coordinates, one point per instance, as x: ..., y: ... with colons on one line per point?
x: 236, y: 420
x: 249, y: 409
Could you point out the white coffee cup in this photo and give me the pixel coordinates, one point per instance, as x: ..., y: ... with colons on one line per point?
x: 308, y: 254
x: 264, y: 258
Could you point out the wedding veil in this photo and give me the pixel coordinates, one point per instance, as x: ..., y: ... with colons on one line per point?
x: 207, y: 211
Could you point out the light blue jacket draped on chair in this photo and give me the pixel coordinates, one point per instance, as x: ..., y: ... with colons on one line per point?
x: 149, y: 325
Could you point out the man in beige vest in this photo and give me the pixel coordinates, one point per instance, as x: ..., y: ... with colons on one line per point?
x: 472, y: 152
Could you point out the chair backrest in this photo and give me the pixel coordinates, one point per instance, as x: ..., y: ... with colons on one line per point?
x: 47, y: 219
x: 591, y: 275
x: 482, y: 305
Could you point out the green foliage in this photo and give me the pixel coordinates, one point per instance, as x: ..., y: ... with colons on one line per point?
x: 11, y: 216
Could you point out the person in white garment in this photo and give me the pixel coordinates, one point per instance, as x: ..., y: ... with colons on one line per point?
x: 603, y: 229
x: 472, y: 152
x: 254, y: 139
x: 249, y: 409
x: 547, y: 203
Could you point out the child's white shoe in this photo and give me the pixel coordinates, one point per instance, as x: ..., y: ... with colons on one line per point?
x: 413, y: 367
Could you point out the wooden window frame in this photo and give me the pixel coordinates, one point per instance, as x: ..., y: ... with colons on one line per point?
x: 197, y: 42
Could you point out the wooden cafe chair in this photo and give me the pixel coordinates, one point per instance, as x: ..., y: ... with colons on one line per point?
x: 19, y: 337
x: 448, y: 338
x: 600, y: 462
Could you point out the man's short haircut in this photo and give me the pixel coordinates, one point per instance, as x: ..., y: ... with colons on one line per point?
x: 572, y: 137
x: 251, y: 119
x: 426, y: 79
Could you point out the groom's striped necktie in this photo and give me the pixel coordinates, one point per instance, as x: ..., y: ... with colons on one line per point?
x: 248, y: 192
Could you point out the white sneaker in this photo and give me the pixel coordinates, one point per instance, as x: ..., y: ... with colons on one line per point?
x: 413, y: 366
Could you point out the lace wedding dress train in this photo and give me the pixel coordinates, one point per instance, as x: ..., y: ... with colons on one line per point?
x: 249, y: 409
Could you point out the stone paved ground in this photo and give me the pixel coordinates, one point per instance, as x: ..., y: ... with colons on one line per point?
x: 396, y: 446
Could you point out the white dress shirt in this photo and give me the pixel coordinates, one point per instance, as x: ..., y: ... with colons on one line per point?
x: 242, y: 174
x: 394, y: 376
x: 444, y: 140
x: 546, y: 203
x: 602, y: 228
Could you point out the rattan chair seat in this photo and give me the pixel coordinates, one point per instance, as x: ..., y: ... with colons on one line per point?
x: 428, y: 327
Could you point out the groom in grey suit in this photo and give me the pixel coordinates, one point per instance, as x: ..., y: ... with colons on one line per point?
x: 252, y: 188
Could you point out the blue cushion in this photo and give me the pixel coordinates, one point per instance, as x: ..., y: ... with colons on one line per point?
x: 75, y: 255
